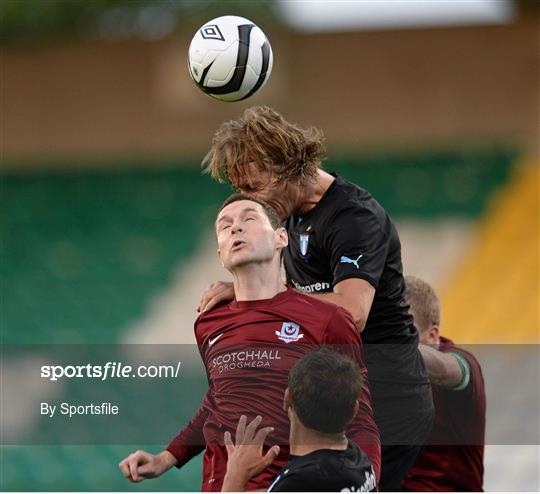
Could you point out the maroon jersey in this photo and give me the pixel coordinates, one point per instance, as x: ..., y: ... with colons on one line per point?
x: 248, y: 349
x: 453, y: 459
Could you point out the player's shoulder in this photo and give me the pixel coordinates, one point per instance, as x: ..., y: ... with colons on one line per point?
x: 311, y: 303
x: 218, y: 312
x: 351, y: 199
x: 302, y: 473
x: 351, y: 194
x: 328, y: 470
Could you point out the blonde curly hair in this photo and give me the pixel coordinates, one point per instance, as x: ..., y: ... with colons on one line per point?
x: 263, y: 137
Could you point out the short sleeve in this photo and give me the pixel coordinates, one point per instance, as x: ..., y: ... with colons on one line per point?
x: 472, y: 373
x: 465, y: 372
x: 357, y: 245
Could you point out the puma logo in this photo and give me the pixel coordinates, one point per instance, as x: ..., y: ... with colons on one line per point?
x: 348, y: 260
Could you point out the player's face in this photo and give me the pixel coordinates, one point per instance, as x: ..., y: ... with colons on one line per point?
x: 282, y: 195
x: 245, y: 235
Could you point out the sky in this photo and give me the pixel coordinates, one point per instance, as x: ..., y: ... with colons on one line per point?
x: 343, y: 15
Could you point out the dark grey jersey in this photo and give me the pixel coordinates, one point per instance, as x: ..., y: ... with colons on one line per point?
x: 327, y: 470
x: 346, y: 235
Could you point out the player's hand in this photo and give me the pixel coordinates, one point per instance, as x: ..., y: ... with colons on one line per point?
x: 245, y: 458
x: 219, y: 291
x: 142, y: 465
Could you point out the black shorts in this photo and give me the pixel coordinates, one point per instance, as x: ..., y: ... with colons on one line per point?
x: 402, y: 447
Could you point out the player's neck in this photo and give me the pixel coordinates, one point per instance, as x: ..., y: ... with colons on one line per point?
x: 314, y: 190
x: 257, y: 282
x: 304, y: 441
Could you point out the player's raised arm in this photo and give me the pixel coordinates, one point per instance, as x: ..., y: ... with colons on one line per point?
x: 354, y: 295
x: 449, y: 370
x: 356, y: 253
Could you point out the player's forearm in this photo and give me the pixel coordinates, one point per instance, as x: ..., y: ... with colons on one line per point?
x: 183, y: 453
x: 442, y: 369
x: 190, y: 441
x: 359, y: 315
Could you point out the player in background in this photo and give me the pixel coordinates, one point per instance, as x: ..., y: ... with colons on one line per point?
x: 453, y: 458
x: 249, y: 346
x: 321, y: 458
x: 343, y: 248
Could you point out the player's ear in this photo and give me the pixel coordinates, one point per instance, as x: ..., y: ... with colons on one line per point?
x: 287, y: 402
x: 433, y: 334
x: 355, y: 410
x: 282, y: 238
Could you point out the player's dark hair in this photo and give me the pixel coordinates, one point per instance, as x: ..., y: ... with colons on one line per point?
x: 324, y: 387
x: 269, y: 210
x: 262, y: 136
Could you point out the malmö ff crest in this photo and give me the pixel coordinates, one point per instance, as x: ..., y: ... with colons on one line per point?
x: 304, y: 242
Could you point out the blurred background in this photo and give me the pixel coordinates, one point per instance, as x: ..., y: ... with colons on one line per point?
x: 106, y: 221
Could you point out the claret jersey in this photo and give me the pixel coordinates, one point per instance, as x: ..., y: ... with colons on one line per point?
x: 248, y: 349
x: 453, y: 458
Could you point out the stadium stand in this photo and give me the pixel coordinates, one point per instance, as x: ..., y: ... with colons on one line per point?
x: 494, y: 295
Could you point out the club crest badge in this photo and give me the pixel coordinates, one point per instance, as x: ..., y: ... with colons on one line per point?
x: 304, y: 241
x: 289, y: 332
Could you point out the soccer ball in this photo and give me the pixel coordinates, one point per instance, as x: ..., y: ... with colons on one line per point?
x: 230, y: 58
